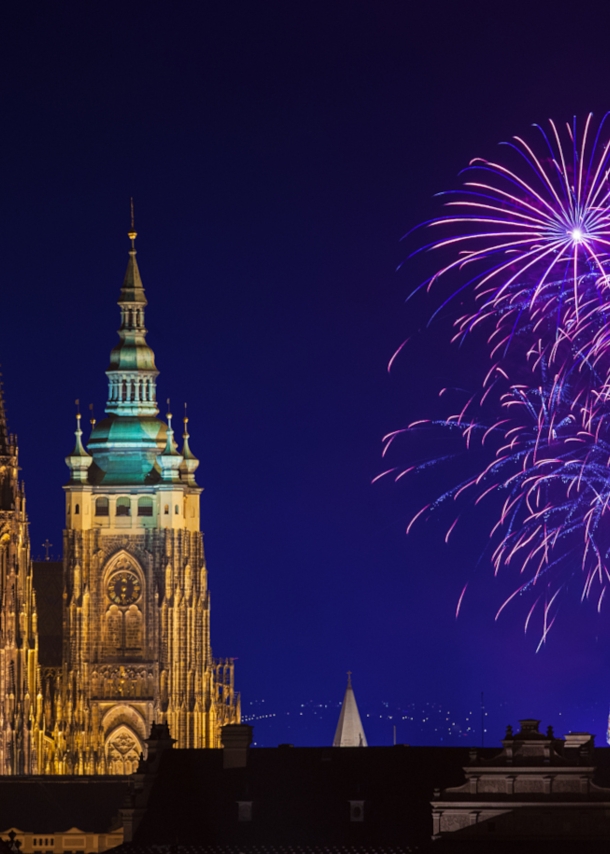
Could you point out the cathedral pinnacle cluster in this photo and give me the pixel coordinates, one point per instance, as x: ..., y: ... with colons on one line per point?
x: 136, y: 606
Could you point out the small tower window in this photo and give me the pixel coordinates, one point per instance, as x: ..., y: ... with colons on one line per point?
x: 177, y: 510
x: 101, y: 507
x: 145, y: 506
x: 123, y: 507
x: 166, y: 510
x: 76, y: 509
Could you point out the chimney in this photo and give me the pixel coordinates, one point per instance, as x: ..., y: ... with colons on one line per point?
x: 236, y: 740
x: 578, y: 748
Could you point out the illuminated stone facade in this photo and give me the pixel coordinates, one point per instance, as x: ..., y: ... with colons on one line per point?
x: 136, y: 609
x: 20, y: 698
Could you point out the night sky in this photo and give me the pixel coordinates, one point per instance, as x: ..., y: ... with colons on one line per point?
x: 277, y: 152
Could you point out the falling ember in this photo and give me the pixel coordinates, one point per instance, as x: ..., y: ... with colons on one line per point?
x: 460, y: 600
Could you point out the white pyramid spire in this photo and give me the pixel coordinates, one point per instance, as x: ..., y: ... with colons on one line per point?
x: 350, y: 732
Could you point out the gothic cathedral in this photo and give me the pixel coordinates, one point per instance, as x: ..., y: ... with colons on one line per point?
x: 136, y: 606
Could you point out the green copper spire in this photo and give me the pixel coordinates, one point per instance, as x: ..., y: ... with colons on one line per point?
x: 125, y: 445
x: 132, y: 372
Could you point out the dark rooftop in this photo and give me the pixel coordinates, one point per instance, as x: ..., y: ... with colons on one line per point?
x: 56, y: 804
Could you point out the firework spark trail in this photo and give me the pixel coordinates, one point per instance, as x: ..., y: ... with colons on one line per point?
x: 551, y: 469
x: 538, y: 244
x: 534, y: 241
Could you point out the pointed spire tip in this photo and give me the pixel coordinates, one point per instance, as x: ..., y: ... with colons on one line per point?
x: 132, y: 233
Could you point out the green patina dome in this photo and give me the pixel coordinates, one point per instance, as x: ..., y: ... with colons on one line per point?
x: 125, y: 450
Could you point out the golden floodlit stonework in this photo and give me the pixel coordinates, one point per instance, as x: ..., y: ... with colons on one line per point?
x: 136, y: 605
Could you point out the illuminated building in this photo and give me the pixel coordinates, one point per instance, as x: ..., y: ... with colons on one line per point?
x: 136, y: 606
x: 538, y: 787
x: 20, y: 697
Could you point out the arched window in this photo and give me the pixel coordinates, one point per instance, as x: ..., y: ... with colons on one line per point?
x: 166, y: 510
x: 101, y: 507
x: 113, y: 631
x: 133, y: 629
x: 76, y: 509
x: 123, y: 751
x: 177, y: 510
x: 123, y: 507
x: 145, y: 506
x: 124, y: 390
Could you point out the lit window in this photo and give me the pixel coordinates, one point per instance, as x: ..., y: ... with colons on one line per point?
x: 145, y: 506
x: 101, y: 507
x: 123, y: 507
x: 166, y: 510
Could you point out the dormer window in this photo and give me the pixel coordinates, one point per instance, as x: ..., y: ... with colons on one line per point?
x: 123, y: 507
x: 244, y: 810
x: 356, y: 810
x: 101, y: 507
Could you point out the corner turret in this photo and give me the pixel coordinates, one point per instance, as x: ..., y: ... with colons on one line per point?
x: 190, y: 463
x: 170, y: 460
x: 79, y: 460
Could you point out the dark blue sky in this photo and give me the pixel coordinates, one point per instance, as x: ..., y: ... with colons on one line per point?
x: 277, y: 152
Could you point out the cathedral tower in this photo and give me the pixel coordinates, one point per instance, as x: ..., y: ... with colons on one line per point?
x: 21, y: 720
x: 136, y: 623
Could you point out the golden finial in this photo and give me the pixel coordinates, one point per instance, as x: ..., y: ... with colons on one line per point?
x: 92, y: 419
x: 133, y: 233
